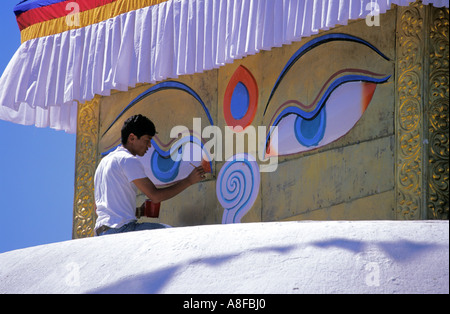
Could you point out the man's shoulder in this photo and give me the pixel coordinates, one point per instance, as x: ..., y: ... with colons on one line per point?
x: 117, y: 156
x: 121, y: 162
x: 124, y: 158
x: 120, y: 153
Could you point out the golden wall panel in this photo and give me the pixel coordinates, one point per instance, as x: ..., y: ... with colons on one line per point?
x: 422, y: 121
x: 409, y: 111
x: 85, y: 164
x: 438, y: 115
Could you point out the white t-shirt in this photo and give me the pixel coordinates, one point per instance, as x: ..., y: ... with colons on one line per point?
x: 115, y: 193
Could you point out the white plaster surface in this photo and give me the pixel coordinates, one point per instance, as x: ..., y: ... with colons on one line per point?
x: 275, y: 257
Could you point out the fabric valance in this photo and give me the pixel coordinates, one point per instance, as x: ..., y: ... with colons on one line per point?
x: 116, y: 44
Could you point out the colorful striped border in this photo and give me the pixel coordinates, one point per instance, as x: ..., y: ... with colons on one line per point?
x: 41, y: 18
x: 34, y: 14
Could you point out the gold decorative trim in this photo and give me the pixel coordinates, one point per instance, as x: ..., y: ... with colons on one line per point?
x: 409, y: 111
x: 85, y: 165
x: 421, y: 113
x: 438, y: 115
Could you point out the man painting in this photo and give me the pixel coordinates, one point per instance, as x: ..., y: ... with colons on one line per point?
x: 120, y: 174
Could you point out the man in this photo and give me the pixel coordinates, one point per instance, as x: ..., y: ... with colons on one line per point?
x: 120, y: 173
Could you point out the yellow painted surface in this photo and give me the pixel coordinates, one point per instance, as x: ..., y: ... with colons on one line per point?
x: 351, y: 178
x: 321, y: 181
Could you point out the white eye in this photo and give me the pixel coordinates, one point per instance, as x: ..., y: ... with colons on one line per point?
x: 337, y: 105
x: 335, y: 115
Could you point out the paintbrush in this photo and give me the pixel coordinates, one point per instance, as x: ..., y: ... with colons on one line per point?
x: 207, y: 171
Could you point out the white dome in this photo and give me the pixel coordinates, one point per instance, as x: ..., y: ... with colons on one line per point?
x: 277, y: 257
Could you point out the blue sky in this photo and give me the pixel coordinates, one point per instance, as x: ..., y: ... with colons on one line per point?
x: 37, y: 169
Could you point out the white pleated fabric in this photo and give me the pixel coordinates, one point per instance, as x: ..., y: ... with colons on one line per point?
x: 48, y: 75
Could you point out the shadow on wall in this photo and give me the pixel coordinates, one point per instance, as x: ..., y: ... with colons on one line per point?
x: 153, y: 282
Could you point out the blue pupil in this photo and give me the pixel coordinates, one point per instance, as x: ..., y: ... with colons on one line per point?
x: 310, y: 132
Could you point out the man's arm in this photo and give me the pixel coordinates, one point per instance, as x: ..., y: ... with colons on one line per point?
x: 158, y: 195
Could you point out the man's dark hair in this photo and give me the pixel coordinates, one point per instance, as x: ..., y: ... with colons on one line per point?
x: 138, y: 125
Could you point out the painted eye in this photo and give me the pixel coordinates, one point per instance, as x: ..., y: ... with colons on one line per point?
x: 165, y: 164
x: 165, y: 167
x: 337, y: 105
x: 336, y: 114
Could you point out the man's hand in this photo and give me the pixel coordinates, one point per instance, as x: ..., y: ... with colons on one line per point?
x: 196, y: 175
